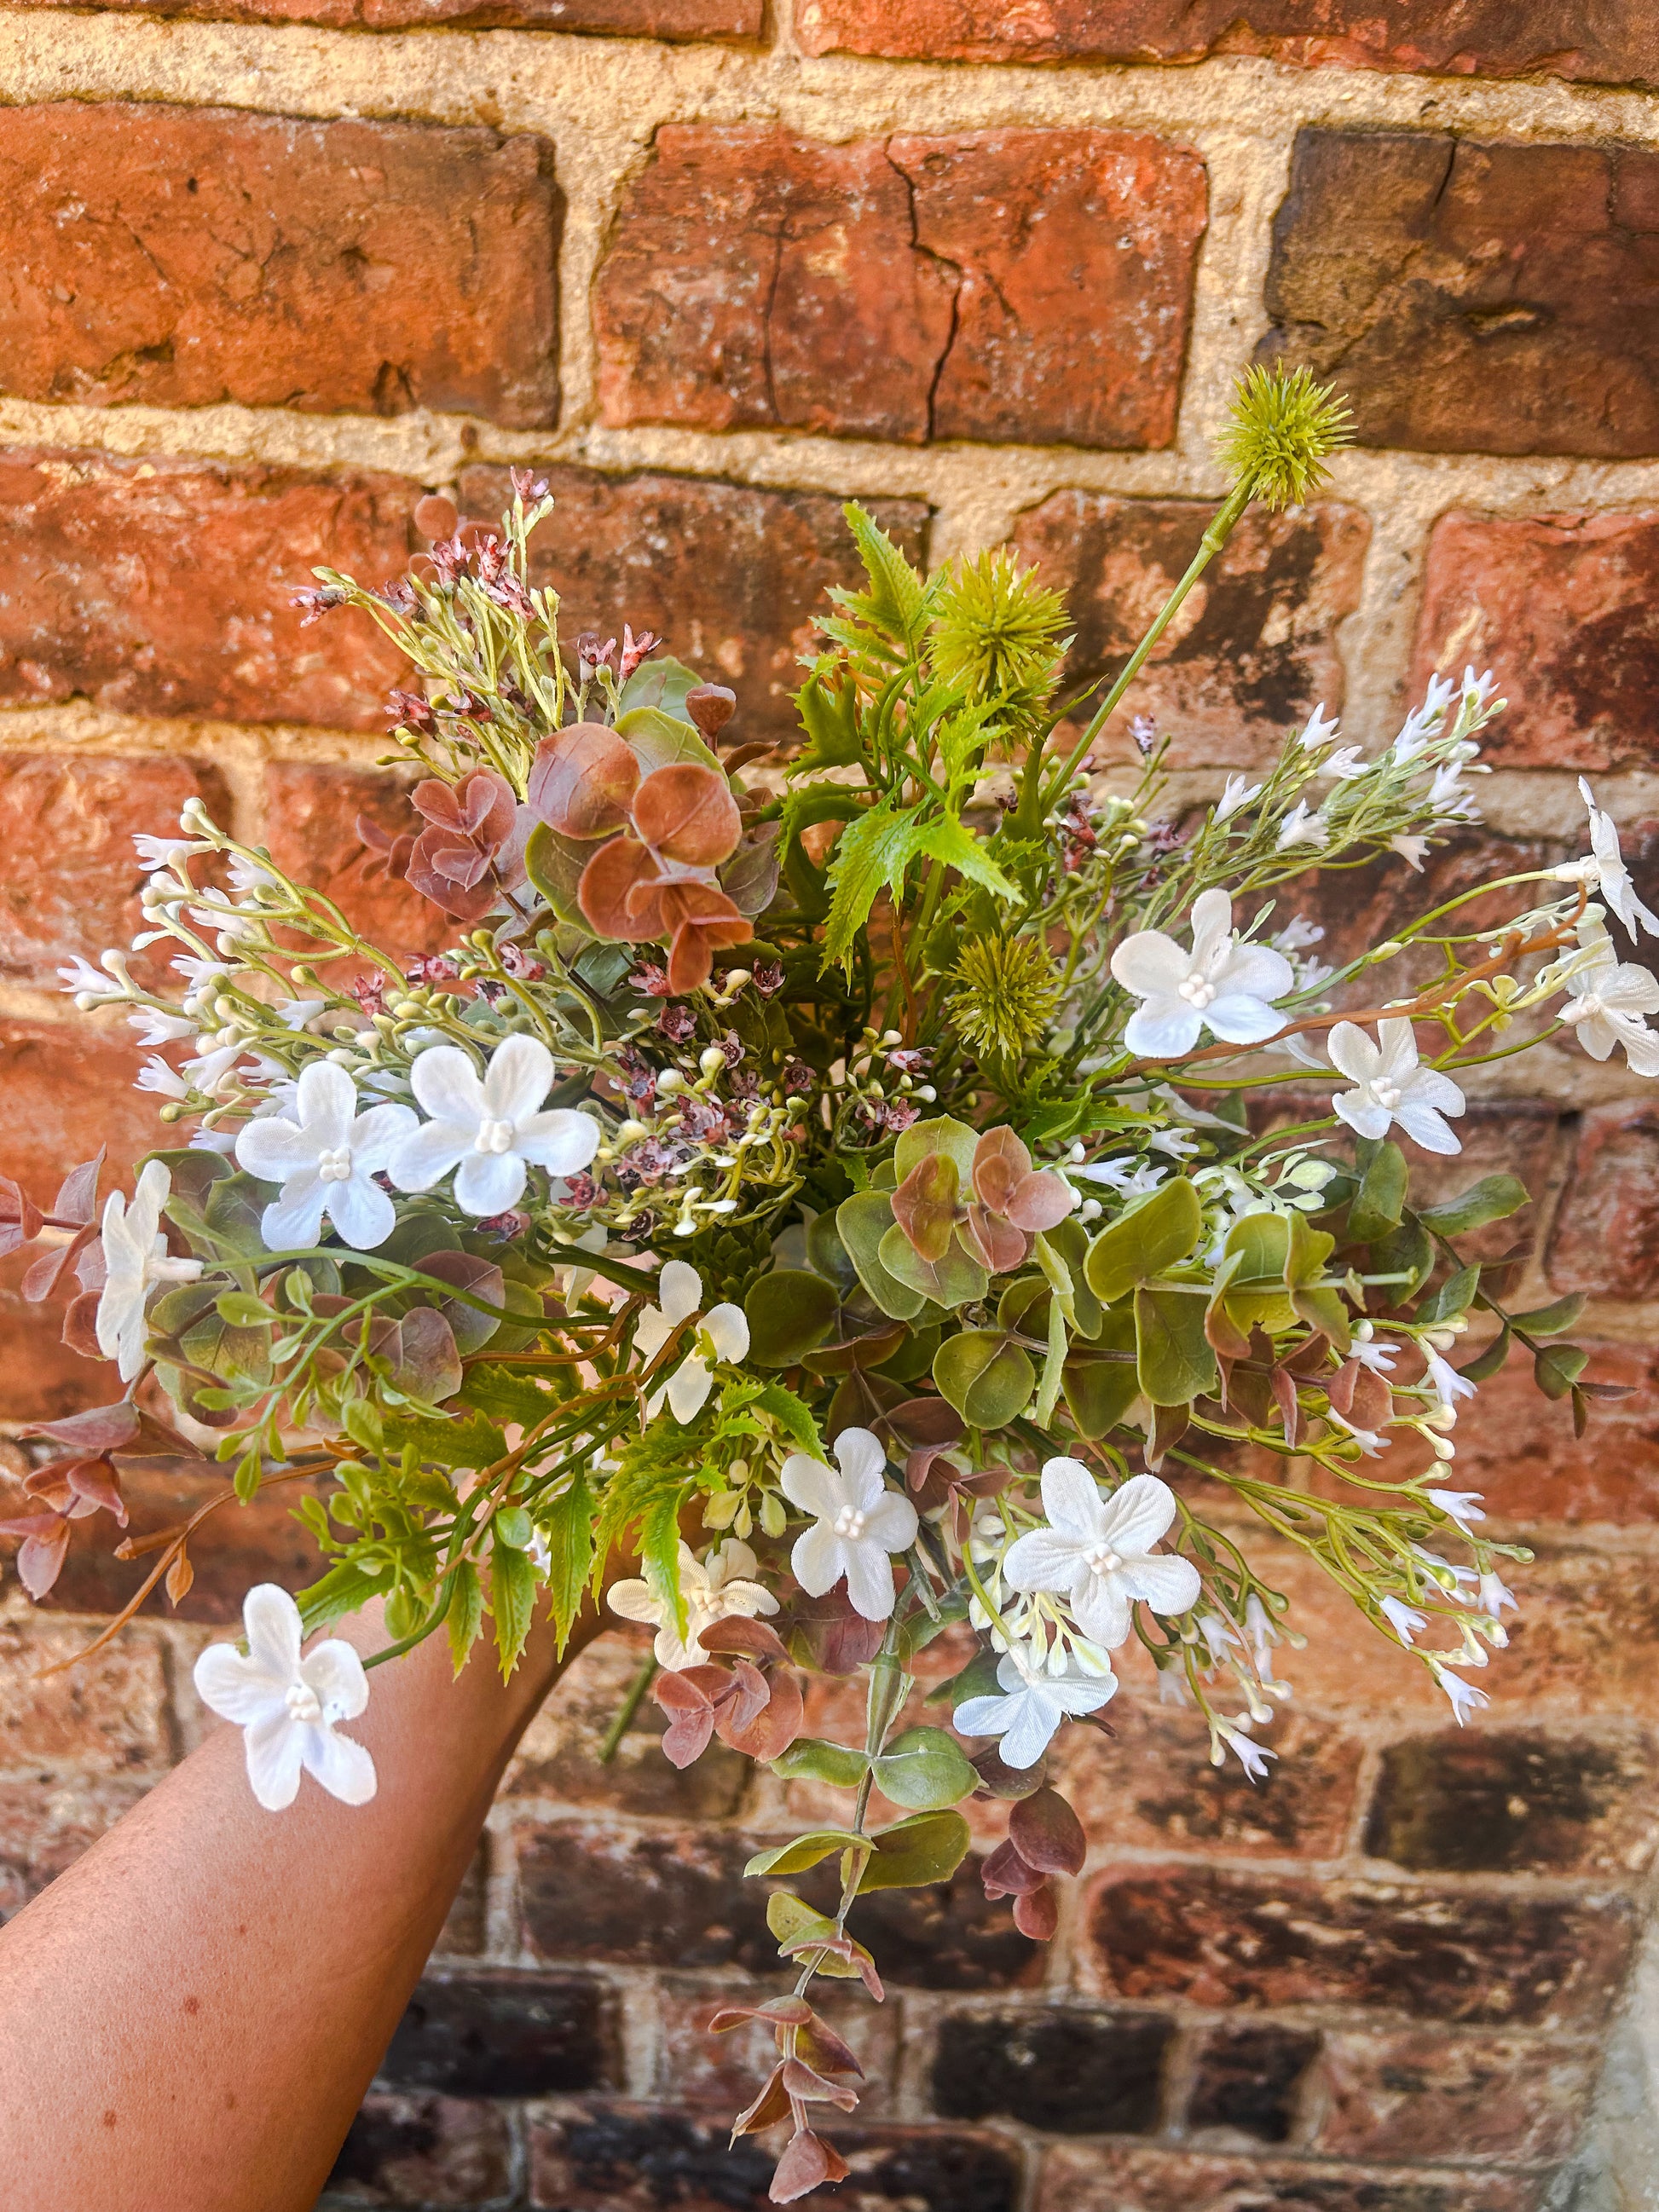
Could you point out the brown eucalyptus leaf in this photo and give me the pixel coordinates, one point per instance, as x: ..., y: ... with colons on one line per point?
x: 806, y: 2082
x: 619, y: 893
x: 924, y: 1206
x: 77, y: 1195
x: 179, y: 1577
x: 775, y: 1727
x: 994, y: 1242
x: 688, y: 814
x: 95, y: 1480
x: 40, y: 1554
x: 807, y: 2164
x: 99, y: 1429
x: 704, y: 921
x: 1047, y: 1834
x: 711, y: 707
x: 1037, y: 1914
x: 1000, y: 1163
x: 1007, y: 1874
x: 582, y: 781
x: 771, y: 2106
x: 733, y: 1632
x: 80, y: 1331
x: 1039, y: 1200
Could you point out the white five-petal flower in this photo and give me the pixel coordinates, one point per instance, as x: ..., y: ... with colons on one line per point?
x: 1220, y: 985
x: 325, y: 1159
x: 134, y: 1260
x: 1612, y: 877
x: 287, y: 1706
x: 1303, y: 825
x: 857, y: 1522
x: 1097, y: 1551
x: 713, y: 1589
x: 1392, y: 1086
x: 1236, y: 793
x: 724, y: 1336
x: 489, y: 1127
x: 1033, y: 1705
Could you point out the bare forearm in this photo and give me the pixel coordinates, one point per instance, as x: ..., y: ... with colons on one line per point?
x: 204, y: 1996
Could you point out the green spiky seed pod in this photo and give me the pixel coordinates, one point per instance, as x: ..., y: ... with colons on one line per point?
x: 997, y: 632
x: 1281, y: 428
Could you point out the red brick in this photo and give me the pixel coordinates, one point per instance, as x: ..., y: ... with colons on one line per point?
x: 643, y: 19
x: 1518, y: 1447
x: 417, y: 2150
x: 1032, y: 287
x: 72, y: 876
x: 499, y: 2032
x: 106, y: 1716
x: 1254, y: 648
x: 627, y: 2157
x: 65, y: 1088
x: 40, y: 1378
x: 164, y: 587
x: 1123, y: 2176
x: 182, y: 257
x: 1562, y: 607
x: 1606, y: 1239
x: 598, y: 1891
x: 237, y: 1547
x: 1151, y: 1786
x: 1510, y: 2098
x: 310, y: 830
x: 48, y: 1820
x: 1485, y: 37
x: 1216, y: 1937
x: 731, y: 577
x: 1468, y: 297
x: 559, y: 1757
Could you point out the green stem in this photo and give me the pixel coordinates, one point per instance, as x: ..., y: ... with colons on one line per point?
x: 1221, y: 528
x: 625, y: 1712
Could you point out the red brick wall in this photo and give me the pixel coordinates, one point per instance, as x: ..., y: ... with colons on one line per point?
x: 714, y: 266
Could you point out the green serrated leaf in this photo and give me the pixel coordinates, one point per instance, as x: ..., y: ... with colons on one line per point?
x: 568, y: 1525
x: 513, y: 1602
x: 464, y: 1623
x: 344, y: 1588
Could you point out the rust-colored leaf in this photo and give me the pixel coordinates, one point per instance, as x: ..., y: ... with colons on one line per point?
x: 1047, y: 1834
x: 1000, y: 1163
x: 733, y: 1632
x: 95, y: 1480
x: 688, y: 813
x: 583, y: 781
x: 996, y: 1243
x: 711, y: 707
x: 924, y: 1206
x: 805, y: 2166
x: 179, y: 1577
x: 775, y: 1727
x: 1037, y: 1914
x: 768, y: 2108
x: 41, y: 1552
x: 618, y: 894
x: 77, y: 1195
x: 99, y: 1429
x: 1039, y: 1200
x: 1007, y: 1874
x: 804, y: 2081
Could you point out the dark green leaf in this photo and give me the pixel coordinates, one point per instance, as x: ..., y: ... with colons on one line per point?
x: 1381, y: 1198
x: 1558, y: 1367
x: 1550, y: 1320
x: 987, y: 1380
x: 810, y: 1758
x: 1173, y: 1358
x: 927, y: 1848
x: 789, y: 1311
x: 1156, y: 1233
x: 513, y: 1602
x: 861, y: 1221
x: 925, y: 1769
x: 1487, y: 1364
x: 1453, y: 1297
x: 1493, y: 1199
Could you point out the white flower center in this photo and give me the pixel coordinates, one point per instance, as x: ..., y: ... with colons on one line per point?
x: 1197, y: 989
x: 1387, y: 1095
x: 335, y: 1164
x: 302, y: 1701
x: 494, y: 1137
x: 849, y: 1522
x: 1590, y: 1007
x: 1102, y: 1559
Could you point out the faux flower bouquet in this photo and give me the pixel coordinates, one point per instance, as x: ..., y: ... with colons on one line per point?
x: 850, y: 1180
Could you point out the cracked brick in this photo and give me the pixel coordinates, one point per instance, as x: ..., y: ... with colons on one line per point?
x: 1009, y: 286
x: 1472, y: 297
x: 636, y: 19
x: 182, y: 257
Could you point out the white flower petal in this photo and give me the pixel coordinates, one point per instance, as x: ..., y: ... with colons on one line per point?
x: 1353, y: 1052
x: 816, y: 1559
x: 1166, y: 1583
x: 334, y: 1670
x: 270, y: 1620
x: 1151, y: 964
x: 423, y: 1156
x: 869, y: 1580
x: 1163, y: 1029
x: 1137, y: 1514
x: 274, y: 1148
x: 562, y: 1142
x: 374, y: 1136
x: 1071, y: 1500
x: 1041, y: 1560
x: 519, y: 1075
x: 679, y: 1292
x: 814, y: 1487
x: 863, y: 1464
x: 1031, y: 1731
x: 489, y: 1183
x: 447, y: 1086
x: 891, y: 1522
x: 359, y: 1209
x: 727, y: 1330
x: 236, y: 1688
x: 1103, y: 1610
x: 327, y: 1101
x: 274, y: 1754
x: 688, y: 1387
x: 342, y: 1766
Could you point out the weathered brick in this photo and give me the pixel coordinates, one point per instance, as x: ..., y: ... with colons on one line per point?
x: 1484, y: 1801
x: 602, y: 1891
x: 239, y: 1545
x: 1032, y: 287
x: 466, y: 1923
x: 1151, y: 1786
x: 1605, y: 1238
x: 1248, y: 2078
x: 48, y: 1820
x: 629, y: 2158
x: 1489, y: 298
x: 951, y: 1936
x: 1483, y: 38
x: 1253, y: 650
x: 731, y: 577
x: 72, y: 876
x: 502, y: 2034
x: 559, y: 1756
x: 423, y: 2150
x: 1216, y: 1936
x: 1518, y: 1447
x: 181, y: 257
x: 1126, y: 2177
x: 310, y: 830
x: 66, y: 1088
x: 1424, y: 2093
x: 106, y: 1715
x: 1069, y: 2071
x: 40, y: 1378
x: 164, y: 587
x: 642, y: 19
x: 1562, y: 607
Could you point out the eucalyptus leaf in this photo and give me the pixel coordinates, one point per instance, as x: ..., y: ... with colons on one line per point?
x: 1154, y: 1234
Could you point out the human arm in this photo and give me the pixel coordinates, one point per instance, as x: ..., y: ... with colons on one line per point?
x: 191, y: 2013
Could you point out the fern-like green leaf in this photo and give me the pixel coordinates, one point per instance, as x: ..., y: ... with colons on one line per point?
x: 896, y: 601
x: 568, y: 1526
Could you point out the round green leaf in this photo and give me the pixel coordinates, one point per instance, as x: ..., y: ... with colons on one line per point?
x: 985, y: 1378
x: 925, y: 1769
x: 789, y: 1311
